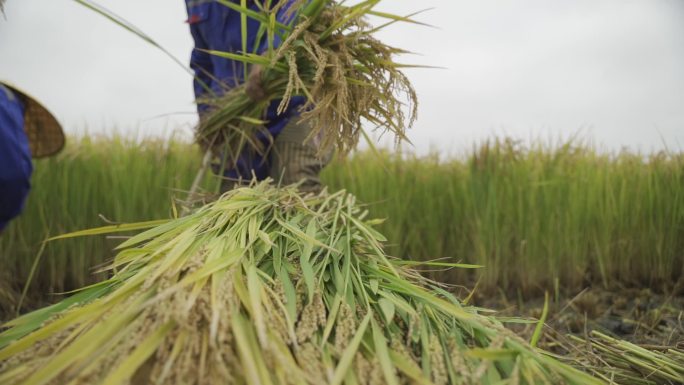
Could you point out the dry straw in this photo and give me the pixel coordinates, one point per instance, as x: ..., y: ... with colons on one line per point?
x: 265, y: 286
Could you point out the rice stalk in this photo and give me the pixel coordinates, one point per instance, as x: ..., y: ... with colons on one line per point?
x: 265, y: 286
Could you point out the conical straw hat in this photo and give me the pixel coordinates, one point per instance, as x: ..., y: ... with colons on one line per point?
x: 44, y: 132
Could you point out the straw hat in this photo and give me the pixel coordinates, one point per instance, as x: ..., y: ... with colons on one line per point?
x: 44, y: 132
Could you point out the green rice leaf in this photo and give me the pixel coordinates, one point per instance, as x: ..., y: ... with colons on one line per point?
x: 540, y: 325
x: 388, y: 309
x: 382, y: 354
x: 493, y: 354
x: 110, y: 229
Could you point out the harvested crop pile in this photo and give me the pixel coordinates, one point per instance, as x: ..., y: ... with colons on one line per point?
x: 265, y: 286
x: 329, y: 56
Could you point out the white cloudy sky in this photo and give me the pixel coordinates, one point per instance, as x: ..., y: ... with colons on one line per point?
x: 610, y: 70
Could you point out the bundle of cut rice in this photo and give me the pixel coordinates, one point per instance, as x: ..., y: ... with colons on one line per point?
x: 330, y: 56
x: 265, y: 286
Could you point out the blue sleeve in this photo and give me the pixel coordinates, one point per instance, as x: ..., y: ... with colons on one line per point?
x: 15, y: 158
x: 200, y: 61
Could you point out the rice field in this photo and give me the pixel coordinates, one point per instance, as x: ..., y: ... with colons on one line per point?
x: 365, y: 283
x: 545, y: 217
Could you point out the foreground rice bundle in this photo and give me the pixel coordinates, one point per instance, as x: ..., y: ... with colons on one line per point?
x: 267, y: 287
x: 329, y: 55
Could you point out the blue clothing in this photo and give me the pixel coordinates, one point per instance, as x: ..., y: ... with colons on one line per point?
x: 216, y: 27
x: 15, y: 157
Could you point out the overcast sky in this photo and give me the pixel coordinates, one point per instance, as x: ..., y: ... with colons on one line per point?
x: 610, y: 70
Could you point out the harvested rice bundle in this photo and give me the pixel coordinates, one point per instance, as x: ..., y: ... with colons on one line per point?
x: 267, y: 287
x: 330, y: 56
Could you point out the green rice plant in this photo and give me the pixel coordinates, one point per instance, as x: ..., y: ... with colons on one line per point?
x: 330, y: 56
x: 265, y: 286
x: 532, y: 215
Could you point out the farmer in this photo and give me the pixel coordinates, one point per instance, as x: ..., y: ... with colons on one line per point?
x: 216, y: 27
x: 26, y: 128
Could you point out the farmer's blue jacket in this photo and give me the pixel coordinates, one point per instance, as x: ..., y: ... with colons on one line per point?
x: 216, y: 27
x: 15, y: 157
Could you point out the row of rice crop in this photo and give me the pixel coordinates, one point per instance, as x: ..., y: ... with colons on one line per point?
x: 538, y: 217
